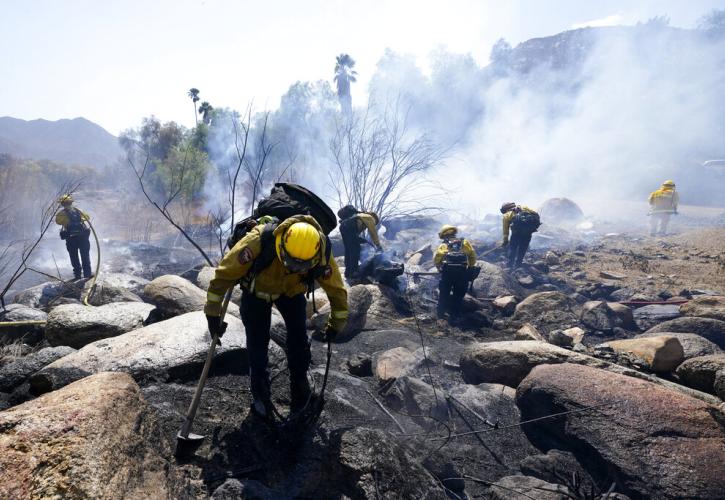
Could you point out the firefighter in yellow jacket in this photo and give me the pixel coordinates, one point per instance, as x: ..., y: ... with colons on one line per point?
x: 352, y: 223
x: 522, y: 222
x: 76, y: 233
x: 663, y: 203
x: 454, y: 257
x: 295, y: 260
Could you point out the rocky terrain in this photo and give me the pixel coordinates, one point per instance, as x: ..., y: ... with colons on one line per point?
x: 595, y: 371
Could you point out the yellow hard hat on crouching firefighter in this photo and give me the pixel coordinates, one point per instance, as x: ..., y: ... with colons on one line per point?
x: 447, y: 231
x: 298, y: 246
x: 668, y: 183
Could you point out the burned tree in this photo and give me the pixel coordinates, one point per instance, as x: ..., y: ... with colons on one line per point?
x: 20, y: 264
x: 246, y: 168
x: 379, y: 164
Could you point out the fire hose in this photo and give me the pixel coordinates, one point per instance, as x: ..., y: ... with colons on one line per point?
x: 92, y: 288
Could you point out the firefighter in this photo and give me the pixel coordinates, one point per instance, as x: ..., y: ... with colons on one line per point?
x: 663, y: 203
x: 352, y: 224
x: 294, y: 258
x: 453, y: 259
x: 522, y: 222
x: 76, y: 233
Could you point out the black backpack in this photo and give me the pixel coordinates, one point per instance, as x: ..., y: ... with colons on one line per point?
x: 349, y: 231
x: 284, y: 201
x: 287, y: 200
x: 525, y: 221
x: 76, y: 226
x: 456, y: 257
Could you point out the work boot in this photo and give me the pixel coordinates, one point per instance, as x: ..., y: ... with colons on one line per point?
x: 262, y: 410
x: 299, y: 395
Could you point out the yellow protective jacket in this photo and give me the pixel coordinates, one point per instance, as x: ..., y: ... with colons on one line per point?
x: 275, y: 280
x: 367, y: 221
x: 62, y: 219
x: 664, y: 200
x: 507, y: 217
x: 467, y: 248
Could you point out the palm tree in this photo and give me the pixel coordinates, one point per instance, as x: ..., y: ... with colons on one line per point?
x: 194, y: 94
x: 205, y: 109
x: 344, y: 76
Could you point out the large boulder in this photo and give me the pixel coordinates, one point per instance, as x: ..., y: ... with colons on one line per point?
x: 693, y: 345
x: 115, y: 287
x: 547, y: 311
x: 605, y: 316
x: 15, y: 373
x: 494, y: 281
x: 174, y: 295
x: 385, y: 308
x: 560, y: 211
x: 46, y: 294
x: 661, y: 354
x: 168, y: 349
x: 29, y: 333
x: 711, y: 329
x: 705, y: 306
x: 204, y: 277
x: 359, y: 298
x: 699, y: 373
x: 393, y: 363
x: 648, y: 316
x: 96, y: 438
x: 656, y: 443
x: 77, y: 325
x: 509, y: 362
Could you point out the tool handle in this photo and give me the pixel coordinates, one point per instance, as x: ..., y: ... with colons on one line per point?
x: 194, y: 406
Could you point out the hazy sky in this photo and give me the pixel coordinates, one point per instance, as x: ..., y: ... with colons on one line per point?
x: 114, y: 62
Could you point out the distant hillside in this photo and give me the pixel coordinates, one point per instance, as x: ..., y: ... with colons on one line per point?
x: 76, y: 141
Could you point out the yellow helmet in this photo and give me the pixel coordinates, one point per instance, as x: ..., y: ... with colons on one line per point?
x: 447, y: 230
x: 669, y: 183
x: 298, y: 246
x: 66, y: 198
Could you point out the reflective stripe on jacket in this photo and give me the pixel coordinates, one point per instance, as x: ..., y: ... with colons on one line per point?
x: 467, y: 249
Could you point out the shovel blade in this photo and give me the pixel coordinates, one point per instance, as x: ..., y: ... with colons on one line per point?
x: 189, y: 438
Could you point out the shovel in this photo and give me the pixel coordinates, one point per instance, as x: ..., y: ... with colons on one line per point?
x: 186, y: 439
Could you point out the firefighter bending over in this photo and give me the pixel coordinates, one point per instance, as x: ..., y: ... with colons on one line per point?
x: 352, y: 224
x: 454, y: 257
x: 277, y: 264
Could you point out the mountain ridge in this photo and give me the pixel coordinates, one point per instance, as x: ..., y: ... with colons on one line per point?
x: 69, y: 140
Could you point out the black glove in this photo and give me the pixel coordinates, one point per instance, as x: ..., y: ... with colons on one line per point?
x: 329, y: 335
x: 217, y: 327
